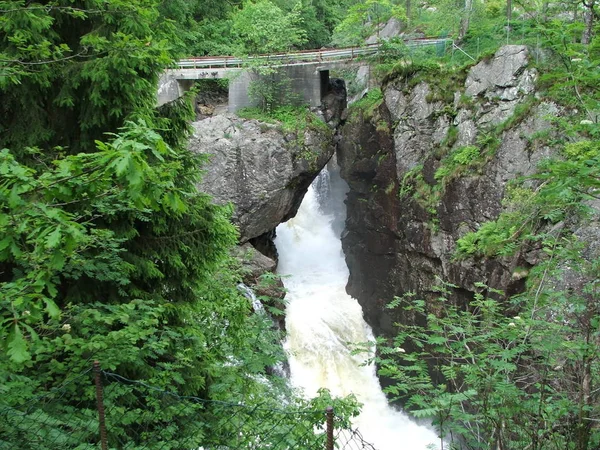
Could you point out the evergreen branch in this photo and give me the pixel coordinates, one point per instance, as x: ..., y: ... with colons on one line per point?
x: 73, y: 202
x: 49, y: 8
x: 176, y: 236
x: 62, y: 180
x: 50, y: 61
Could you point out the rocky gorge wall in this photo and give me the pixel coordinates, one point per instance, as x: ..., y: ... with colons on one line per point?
x: 428, y: 163
x: 263, y: 170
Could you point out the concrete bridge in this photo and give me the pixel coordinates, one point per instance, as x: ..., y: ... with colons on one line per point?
x: 307, y: 72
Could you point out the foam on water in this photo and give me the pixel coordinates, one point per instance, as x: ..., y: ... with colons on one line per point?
x: 323, y: 323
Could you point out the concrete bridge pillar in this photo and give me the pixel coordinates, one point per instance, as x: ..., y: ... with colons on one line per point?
x: 170, y: 88
x: 307, y: 83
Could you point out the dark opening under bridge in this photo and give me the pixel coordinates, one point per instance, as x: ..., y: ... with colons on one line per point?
x: 307, y: 71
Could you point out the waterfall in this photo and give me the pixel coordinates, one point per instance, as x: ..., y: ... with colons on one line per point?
x: 323, y: 322
x: 257, y: 306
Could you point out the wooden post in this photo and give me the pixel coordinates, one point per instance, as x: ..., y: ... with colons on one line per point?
x: 329, y: 415
x: 100, y: 401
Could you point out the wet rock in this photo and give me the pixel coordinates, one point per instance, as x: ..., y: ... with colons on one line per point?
x: 334, y: 102
x: 255, y: 266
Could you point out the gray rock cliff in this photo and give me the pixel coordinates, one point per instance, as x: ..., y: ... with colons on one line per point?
x: 403, y: 220
x: 262, y: 170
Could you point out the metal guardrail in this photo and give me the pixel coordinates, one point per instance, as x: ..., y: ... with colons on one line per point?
x: 305, y: 56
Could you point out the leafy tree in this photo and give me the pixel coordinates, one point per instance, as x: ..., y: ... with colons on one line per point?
x: 318, y: 18
x: 363, y: 19
x: 497, y: 375
x: 54, y: 54
x: 107, y: 249
x: 263, y: 27
x: 204, y: 27
x: 312, y: 20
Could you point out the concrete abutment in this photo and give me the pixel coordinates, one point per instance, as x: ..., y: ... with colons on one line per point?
x: 305, y: 83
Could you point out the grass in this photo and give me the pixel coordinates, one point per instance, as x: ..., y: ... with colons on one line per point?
x: 457, y: 163
x: 290, y: 118
x: 368, y: 104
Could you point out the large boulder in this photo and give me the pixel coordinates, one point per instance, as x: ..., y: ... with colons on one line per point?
x: 504, y: 76
x: 262, y: 170
x: 390, y: 29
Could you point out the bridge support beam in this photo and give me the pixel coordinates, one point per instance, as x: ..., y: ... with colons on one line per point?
x: 170, y: 88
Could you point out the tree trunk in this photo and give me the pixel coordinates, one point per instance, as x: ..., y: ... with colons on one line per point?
x: 465, y: 21
x: 584, y: 427
x: 588, y: 21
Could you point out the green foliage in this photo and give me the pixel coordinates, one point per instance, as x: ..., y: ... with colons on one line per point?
x: 317, y: 18
x: 459, y: 160
x: 368, y: 104
x: 495, y: 375
x: 406, y: 186
x: 91, y: 217
x: 115, y: 256
x: 582, y: 151
x: 203, y: 26
x: 107, y: 52
x: 496, y: 237
x: 443, y: 80
x: 263, y: 27
x: 271, y: 88
x: 291, y: 118
x: 362, y: 20
x: 571, y: 76
x: 564, y: 188
x: 107, y: 249
x: 414, y: 186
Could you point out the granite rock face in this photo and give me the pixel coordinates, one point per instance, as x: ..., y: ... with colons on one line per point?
x: 264, y: 173
x: 392, y: 28
x: 262, y: 170
x: 254, y: 265
x: 403, y: 240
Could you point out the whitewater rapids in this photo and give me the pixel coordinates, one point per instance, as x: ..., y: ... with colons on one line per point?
x: 323, y: 322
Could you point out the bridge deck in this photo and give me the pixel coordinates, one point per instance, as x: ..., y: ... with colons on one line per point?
x: 308, y: 71
x: 285, y: 59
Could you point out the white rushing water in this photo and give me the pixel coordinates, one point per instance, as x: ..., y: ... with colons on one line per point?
x: 323, y: 322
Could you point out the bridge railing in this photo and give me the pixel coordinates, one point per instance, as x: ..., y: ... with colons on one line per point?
x: 299, y: 57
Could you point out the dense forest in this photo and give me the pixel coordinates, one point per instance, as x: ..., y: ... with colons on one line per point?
x: 108, y: 251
